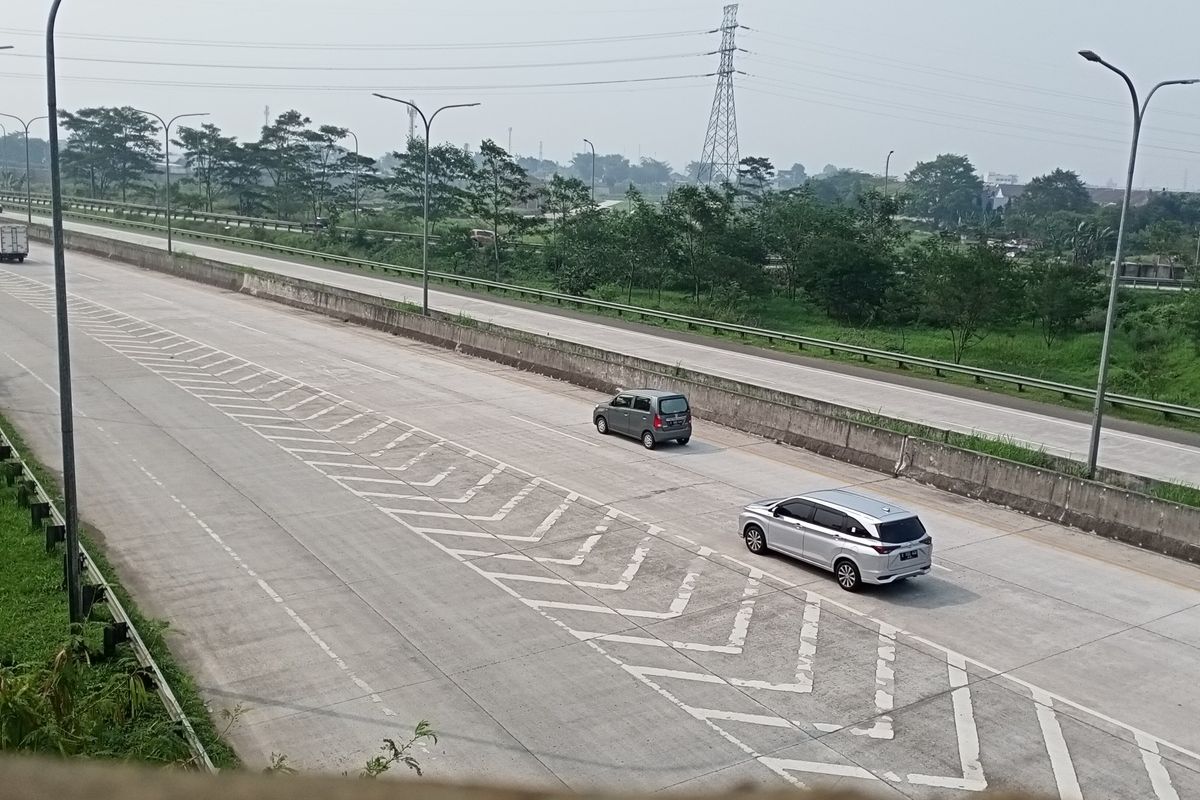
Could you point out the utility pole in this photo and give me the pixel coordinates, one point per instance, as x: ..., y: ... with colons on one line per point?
x: 887, y: 165
x: 510, y: 140
x: 719, y: 161
x: 65, y: 400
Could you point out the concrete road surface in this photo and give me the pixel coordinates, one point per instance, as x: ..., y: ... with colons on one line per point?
x: 351, y: 531
x: 1131, y: 447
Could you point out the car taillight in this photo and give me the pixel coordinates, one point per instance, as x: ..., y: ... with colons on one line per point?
x: 883, y: 548
x: 927, y: 540
x: 657, y: 421
x: 689, y: 417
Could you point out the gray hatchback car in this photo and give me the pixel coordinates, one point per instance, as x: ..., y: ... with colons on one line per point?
x: 858, y: 538
x: 650, y: 415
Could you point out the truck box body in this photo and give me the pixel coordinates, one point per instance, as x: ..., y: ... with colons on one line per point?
x: 14, y: 242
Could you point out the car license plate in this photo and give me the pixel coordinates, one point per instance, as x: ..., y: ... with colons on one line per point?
x: 911, y: 554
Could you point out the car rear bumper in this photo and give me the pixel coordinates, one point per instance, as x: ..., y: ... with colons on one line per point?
x: 892, y: 577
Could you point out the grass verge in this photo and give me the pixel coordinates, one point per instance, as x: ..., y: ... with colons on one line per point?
x: 110, y: 716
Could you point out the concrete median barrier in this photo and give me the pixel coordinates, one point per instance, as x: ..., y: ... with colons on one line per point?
x: 1115, y: 507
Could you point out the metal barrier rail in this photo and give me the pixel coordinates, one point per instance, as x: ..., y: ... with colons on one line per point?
x: 199, y: 216
x: 43, y: 510
x: 902, y: 360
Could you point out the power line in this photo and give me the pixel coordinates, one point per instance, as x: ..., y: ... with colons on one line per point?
x: 361, y: 87
x: 953, y: 74
x: 316, y: 68
x: 986, y: 101
x: 973, y: 129
x: 360, y: 47
x: 968, y: 117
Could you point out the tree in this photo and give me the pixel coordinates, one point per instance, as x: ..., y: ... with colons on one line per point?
x: 755, y: 175
x: 611, y: 169
x: 109, y: 148
x: 843, y: 186
x: 842, y: 255
x: 206, y: 152
x: 651, y: 173
x: 562, y: 197
x: 282, y: 151
x: 499, y: 183
x: 1060, y: 190
x: 641, y: 232
x: 240, y: 178
x: 945, y: 189
x: 965, y: 291
x: 450, y: 172
x: 1061, y: 293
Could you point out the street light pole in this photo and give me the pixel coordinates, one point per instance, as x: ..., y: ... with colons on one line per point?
x: 351, y: 133
x: 1139, y: 114
x: 887, y: 165
x: 28, y: 178
x: 66, y: 403
x: 589, y: 143
x: 425, y: 217
x: 166, y: 125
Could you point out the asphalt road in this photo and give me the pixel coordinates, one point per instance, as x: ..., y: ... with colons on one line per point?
x: 1133, y: 448
x: 351, y: 531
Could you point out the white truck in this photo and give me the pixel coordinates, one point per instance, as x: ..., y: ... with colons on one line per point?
x: 14, y: 242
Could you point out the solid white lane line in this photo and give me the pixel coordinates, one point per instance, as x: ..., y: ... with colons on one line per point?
x: 1160, y: 779
x: 1056, y: 747
x: 248, y: 328
x: 554, y: 430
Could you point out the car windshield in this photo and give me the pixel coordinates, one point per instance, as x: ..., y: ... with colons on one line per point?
x: 901, y: 531
x: 673, y: 405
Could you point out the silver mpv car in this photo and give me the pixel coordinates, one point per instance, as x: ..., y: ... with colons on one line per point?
x: 858, y: 538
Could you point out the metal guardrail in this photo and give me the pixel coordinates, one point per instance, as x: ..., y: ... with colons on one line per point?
x: 200, y: 216
x: 867, y: 354
x: 43, y: 511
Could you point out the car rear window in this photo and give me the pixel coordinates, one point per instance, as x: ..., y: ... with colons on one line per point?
x: 901, y: 531
x: 673, y: 405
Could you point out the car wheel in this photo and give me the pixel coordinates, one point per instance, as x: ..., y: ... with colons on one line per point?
x: 602, y: 426
x: 648, y: 440
x: 684, y: 440
x: 756, y: 541
x: 847, y: 575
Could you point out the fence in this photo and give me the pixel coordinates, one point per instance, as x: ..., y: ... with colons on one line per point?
x: 45, y: 515
x: 867, y: 354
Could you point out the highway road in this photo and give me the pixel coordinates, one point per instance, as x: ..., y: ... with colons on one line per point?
x: 1130, y: 447
x: 350, y: 531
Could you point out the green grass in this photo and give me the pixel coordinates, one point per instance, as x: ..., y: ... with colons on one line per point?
x: 34, y: 628
x: 1184, y: 494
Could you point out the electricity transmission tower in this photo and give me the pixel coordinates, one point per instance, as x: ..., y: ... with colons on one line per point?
x: 719, y: 163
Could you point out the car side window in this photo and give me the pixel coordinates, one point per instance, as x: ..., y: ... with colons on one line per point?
x: 797, y: 510
x: 855, y: 528
x: 829, y: 519
x: 641, y: 404
x: 621, y: 401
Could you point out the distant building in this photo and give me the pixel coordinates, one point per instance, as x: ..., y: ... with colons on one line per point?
x: 997, y: 178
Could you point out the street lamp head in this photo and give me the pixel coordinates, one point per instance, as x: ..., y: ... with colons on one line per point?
x: 6, y: 47
x: 1090, y: 55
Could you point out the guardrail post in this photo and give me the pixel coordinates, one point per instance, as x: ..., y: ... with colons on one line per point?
x: 54, y: 535
x: 93, y: 593
x: 38, y: 512
x: 5, y: 452
x: 115, y: 633
x: 24, y: 491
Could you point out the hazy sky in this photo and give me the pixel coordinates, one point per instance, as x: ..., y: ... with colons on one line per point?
x: 837, y: 83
